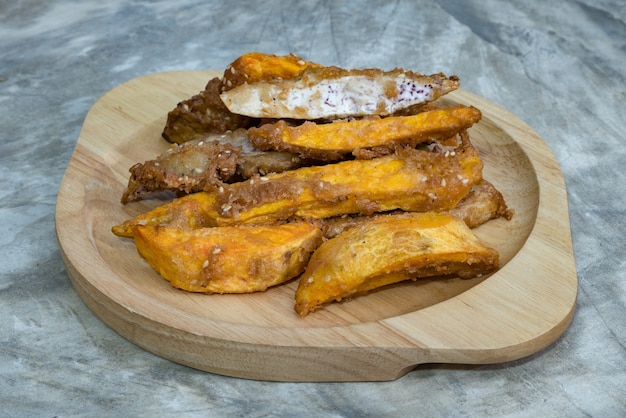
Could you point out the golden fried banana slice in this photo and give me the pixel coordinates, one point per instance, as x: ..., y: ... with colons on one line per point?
x: 411, y: 180
x: 388, y: 250
x: 331, y: 141
x: 332, y: 92
x: 228, y: 259
x: 255, y: 67
x: 483, y: 203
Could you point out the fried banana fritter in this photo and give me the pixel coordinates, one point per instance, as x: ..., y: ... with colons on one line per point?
x: 332, y: 93
x: 206, y: 164
x: 228, y: 259
x: 411, y: 180
x: 332, y: 141
x: 483, y: 203
x: 388, y: 250
x: 188, y: 168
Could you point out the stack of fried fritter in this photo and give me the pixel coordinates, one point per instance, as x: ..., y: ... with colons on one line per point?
x: 351, y: 179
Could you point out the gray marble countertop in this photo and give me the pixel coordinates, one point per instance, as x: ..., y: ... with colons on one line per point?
x: 559, y: 66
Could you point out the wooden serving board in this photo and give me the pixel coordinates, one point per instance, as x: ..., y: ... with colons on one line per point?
x: 513, y: 313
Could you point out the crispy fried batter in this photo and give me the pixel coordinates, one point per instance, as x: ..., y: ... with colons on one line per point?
x: 203, y: 114
x: 483, y: 203
x: 190, y: 167
x: 332, y: 92
x: 205, y: 164
x: 411, y: 180
x: 228, y: 259
x: 332, y: 141
x: 255, y: 67
x: 388, y: 250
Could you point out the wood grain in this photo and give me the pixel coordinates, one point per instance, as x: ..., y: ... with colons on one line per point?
x: 513, y: 313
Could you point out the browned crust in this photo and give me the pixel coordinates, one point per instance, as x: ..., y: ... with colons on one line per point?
x: 203, y: 114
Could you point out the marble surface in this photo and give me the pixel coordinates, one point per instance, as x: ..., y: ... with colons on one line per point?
x: 559, y: 66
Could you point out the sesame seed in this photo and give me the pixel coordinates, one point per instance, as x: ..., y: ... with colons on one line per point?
x: 465, y: 181
x: 444, y: 182
x: 216, y: 250
x: 264, y: 178
x: 310, y: 280
x: 205, y: 264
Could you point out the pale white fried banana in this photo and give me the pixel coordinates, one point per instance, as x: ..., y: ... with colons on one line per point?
x: 332, y: 92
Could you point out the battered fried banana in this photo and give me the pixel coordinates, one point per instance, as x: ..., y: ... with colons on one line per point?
x: 388, y: 250
x: 228, y: 259
x: 200, y: 165
x: 332, y: 141
x: 332, y: 93
x: 411, y: 180
x: 190, y: 167
x: 483, y: 203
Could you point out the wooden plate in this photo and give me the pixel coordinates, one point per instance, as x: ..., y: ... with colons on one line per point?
x: 513, y: 313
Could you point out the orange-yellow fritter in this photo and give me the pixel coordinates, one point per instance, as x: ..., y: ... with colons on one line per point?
x: 332, y: 141
x: 227, y: 259
x: 388, y: 250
